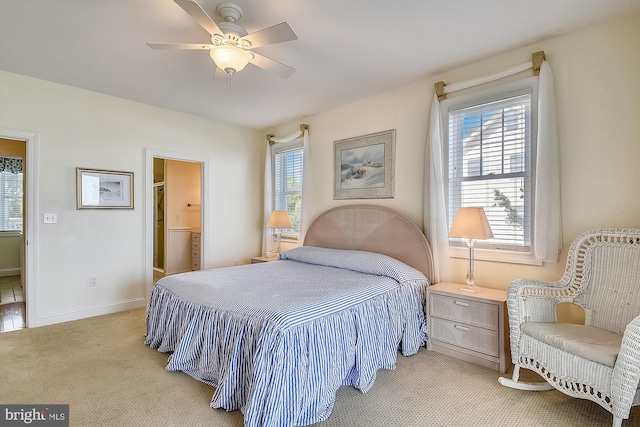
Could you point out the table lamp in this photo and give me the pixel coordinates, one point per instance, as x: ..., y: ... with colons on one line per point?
x: 471, y: 224
x: 279, y: 220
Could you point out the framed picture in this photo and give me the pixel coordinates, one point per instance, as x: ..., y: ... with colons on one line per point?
x: 364, y: 166
x: 104, y: 189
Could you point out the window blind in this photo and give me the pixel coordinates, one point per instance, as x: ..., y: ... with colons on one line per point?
x: 490, y: 167
x: 288, y: 186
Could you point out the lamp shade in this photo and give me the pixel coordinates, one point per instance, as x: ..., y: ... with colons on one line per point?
x: 230, y: 58
x: 279, y: 219
x: 471, y: 223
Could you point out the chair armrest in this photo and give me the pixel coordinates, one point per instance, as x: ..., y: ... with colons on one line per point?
x: 533, y: 301
x: 626, y: 372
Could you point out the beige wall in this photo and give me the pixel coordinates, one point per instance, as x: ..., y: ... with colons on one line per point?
x: 182, y: 186
x: 598, y: 98
x: 78, y: 128
x: 10, y: 247
x: 10, y: 147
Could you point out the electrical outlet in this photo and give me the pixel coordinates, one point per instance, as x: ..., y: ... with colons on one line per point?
x: 93, y: 281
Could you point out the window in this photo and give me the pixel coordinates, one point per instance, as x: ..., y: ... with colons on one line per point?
x: 10, y: 194
x: 490, y: 145
x: 287, y: 177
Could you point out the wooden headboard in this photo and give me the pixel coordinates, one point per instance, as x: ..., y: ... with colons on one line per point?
x: 374, y: 229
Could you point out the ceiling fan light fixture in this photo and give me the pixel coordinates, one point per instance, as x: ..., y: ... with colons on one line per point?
x: 230, y: 58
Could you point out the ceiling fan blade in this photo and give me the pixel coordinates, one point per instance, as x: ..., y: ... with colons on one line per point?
x: 200, y: 16
x: 272, y: 35
x: 180, y: 46
x: 282, y: 70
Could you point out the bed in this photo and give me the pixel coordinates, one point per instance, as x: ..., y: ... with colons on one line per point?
x: 278, y: 339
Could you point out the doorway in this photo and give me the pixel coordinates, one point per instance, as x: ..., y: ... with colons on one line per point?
x: 175, y: 219
x: 12, y: 210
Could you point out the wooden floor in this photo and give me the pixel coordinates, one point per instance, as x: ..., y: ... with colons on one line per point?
x: 12, y: 305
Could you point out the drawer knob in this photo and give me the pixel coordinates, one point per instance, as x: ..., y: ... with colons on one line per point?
x: 462, y: 328
x: 461, y: 303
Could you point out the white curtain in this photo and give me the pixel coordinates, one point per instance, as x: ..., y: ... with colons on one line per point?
x: 305, y: 221
x: 268, y: 184
x: 435, y: 209
x: 268, y: 199
x: 548, y: 213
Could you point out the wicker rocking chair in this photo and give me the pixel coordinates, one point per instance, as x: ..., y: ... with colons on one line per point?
x: 600, y: 360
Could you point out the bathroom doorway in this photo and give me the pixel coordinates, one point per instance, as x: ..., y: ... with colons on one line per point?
x: 186, y: 204
x: 176, y: 216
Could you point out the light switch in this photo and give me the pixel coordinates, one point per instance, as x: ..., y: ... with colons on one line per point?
x: 50, y: 218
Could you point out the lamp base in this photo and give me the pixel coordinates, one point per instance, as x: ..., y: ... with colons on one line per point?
x: 471, y: 289
x: 471, y: 277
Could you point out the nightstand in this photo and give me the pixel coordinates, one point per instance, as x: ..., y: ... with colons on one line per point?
x: 470, y: 326
x: 259, y: 259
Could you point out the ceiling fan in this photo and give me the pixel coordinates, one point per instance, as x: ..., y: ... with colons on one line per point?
x: 230, y: 47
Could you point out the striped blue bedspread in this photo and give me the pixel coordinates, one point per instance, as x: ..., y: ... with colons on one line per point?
x: 278, y: 339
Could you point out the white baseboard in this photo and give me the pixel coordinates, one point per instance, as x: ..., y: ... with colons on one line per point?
x: 86, y: 312
x: 10, y: 272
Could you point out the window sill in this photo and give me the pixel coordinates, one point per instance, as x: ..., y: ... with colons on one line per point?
x: 10, y: 233
x: 495, y: 256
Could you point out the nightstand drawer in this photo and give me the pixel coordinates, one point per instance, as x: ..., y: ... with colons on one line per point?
x: 466, y: 336
x: 464, y: 310
x: 195, y: 245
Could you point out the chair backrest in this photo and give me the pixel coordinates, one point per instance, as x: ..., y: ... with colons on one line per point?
x: 604, y: 270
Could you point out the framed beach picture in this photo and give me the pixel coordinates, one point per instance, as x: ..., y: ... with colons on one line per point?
x: 364, y: 166
x: 104, y: 189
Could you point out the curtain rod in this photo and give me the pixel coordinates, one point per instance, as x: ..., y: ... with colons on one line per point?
x: 272, y: 140
x: 442, y: 89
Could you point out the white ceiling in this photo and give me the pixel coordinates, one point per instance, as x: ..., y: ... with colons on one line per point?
x: 347, y: 49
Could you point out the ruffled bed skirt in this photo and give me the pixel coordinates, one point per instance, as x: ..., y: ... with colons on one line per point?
x: 286, y: 377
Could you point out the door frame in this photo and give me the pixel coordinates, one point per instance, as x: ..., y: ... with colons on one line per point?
x: 205, y: 220
x: 30, y: 228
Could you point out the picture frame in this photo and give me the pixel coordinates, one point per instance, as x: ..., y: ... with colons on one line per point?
x: 364, y: 166
x: 103, y: 189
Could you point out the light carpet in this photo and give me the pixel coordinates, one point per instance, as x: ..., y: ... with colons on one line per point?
x: 102, y: 369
